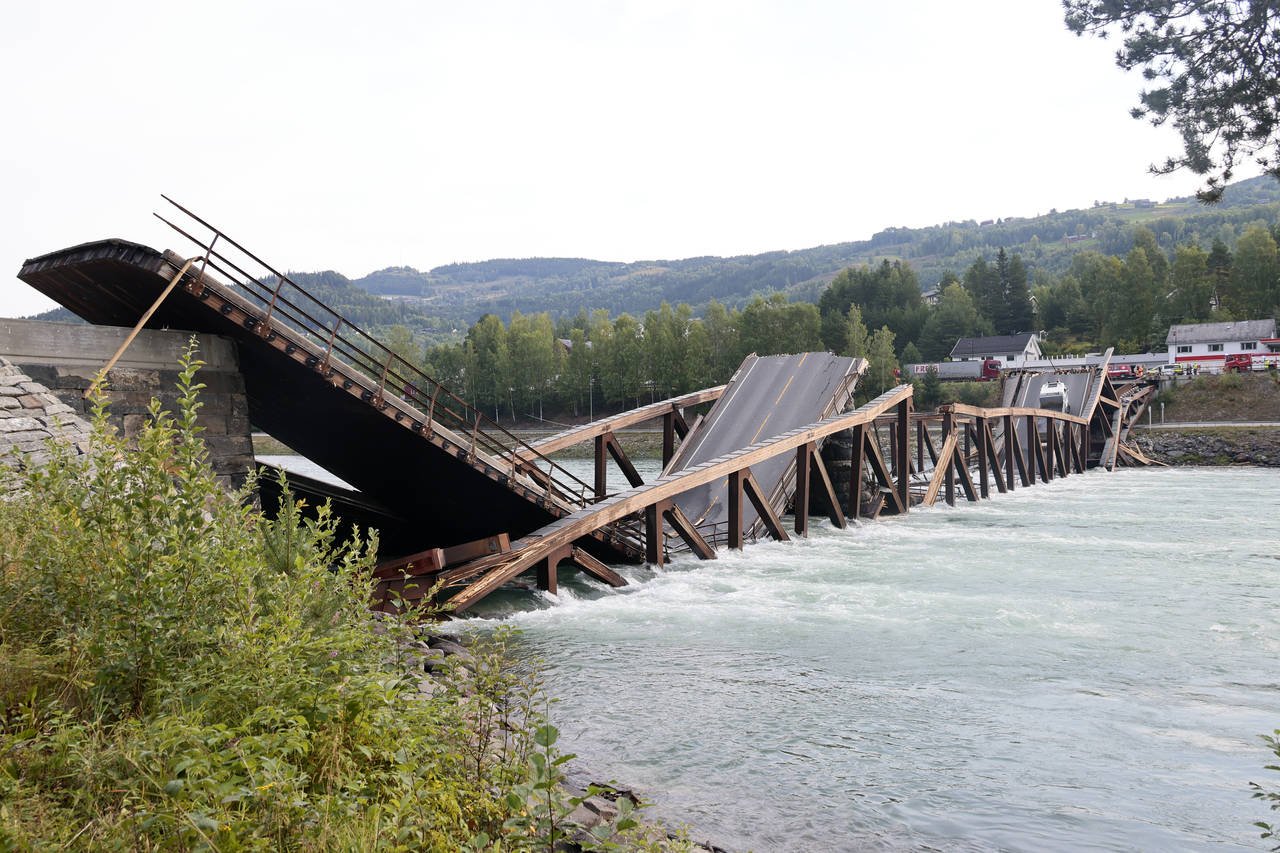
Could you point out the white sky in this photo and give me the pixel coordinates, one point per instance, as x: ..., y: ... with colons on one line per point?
x: 355, y: 136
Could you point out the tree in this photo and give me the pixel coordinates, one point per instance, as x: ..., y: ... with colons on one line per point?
x: 983, y: 283
x: 911, y: 354
x: 1214, y: 70
x: 882, y: 363
x: 1189, y: 299
x: 855, y: 336
x: 1255, y: 274
x: 400, y: 341
x: 930, y: 393
x: 488, y: 339
x: 953, y: 318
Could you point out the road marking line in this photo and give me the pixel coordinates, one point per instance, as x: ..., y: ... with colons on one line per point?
x: 784, y: 390
x: 762, y: 423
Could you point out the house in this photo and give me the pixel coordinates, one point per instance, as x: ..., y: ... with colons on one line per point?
x: 1011, y: 349
x: 1208, y: 344
x: 932, y: 295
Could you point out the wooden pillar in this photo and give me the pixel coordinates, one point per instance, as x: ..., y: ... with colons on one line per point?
x: 903, y: 432
x: 920, y: 434
x: 668, y: 437
x: 948, y: 478
x: 654, y: 552
x: 735, y: 510
x: 856, y: 457
x: 547, y: 570
x: 601, y: 472
x: 801, y: 499
x: 984, y: 487
x: 1010, y: 438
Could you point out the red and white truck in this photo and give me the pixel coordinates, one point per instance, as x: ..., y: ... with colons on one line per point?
x: 981, y: 370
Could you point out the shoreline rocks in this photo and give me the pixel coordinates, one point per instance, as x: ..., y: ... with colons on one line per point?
x: 1257, y: 446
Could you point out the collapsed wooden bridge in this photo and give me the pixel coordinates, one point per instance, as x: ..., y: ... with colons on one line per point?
x: 470, y: 506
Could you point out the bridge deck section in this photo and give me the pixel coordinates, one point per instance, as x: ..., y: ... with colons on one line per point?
x: 451, y: 482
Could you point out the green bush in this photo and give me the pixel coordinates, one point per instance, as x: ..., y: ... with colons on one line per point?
x: 179, y: 672
x: 1272, y: 798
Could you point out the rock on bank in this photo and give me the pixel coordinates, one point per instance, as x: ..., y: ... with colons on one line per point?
x: 1217, y: 446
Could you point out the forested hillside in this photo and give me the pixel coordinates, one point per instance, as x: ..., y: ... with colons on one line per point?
x: 461, y: 293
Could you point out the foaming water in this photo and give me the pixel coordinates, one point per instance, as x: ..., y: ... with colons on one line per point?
x: 1081, y: 665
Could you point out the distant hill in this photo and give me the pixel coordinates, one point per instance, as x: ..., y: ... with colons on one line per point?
x: 560, y: 286
x: 435, y: 305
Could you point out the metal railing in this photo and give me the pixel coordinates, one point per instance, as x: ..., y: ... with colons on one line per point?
x: 339, y: 341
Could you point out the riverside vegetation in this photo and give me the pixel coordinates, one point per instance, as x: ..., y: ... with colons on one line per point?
x: 180, y: 672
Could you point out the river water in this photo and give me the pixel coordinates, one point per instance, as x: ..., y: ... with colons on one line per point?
x: 1083, y: 665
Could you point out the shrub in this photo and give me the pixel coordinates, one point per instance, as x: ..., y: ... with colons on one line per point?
x: 179, y: 672
x: 1272, y: 798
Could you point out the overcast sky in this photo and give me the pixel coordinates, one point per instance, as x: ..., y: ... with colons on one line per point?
x: 355, y: 136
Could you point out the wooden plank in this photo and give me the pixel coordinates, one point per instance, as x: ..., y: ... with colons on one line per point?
x: 966, y: 479
x: 424, y: 562
x: 578, y: 435
x: 939, y: 471
x: 479, y: 548
x: 595, y: 568
x: 836, y: 516
x: 624, y: 463
x: 764, y: 509
x: 1015, y: 411
x: 686, y: 531
x: 880, y: 471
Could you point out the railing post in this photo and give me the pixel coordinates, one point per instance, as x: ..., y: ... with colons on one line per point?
x: 328, y: 352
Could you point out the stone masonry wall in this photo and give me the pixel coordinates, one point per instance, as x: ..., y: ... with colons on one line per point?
x: 30, y: 416
x: 64, y: 358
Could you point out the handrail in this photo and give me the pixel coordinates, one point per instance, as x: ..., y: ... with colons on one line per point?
x: 388, y: 373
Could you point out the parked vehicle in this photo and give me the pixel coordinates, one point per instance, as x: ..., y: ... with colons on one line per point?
x: 1125, y: 371
x: 985, y: 370
x: 1174, y: 369
x: 1237, y: 362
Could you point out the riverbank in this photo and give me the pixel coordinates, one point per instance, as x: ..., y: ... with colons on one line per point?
x: 1221, y: 445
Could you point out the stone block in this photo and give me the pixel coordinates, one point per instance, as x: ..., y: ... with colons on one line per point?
x: 13, y: 425
x: 132, y: 424
x: 9, y: 403
x: 32, y: 401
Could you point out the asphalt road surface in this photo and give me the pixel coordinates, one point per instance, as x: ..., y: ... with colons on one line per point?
x: 769, y: 396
